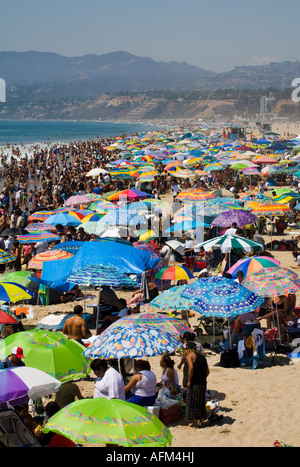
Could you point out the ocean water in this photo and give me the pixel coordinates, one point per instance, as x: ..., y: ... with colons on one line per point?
x: 30, y: 132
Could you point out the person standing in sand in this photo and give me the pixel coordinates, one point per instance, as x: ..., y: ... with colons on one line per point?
x: 75, y: 326
x: 196, y: 385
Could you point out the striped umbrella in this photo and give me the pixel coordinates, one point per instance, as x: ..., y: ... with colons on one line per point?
x: 228, y: 242
x: 40, y: 226
x: 252, y: 264
x: 6, y: 257
x: 174, y: 273
x: 40, y: 215
x: 50, y: 255
x: 35, y: 237
x: 77, y: 200
x: 98, y: 275
x: 194, y: 196
x: 103, y: 206
x: 271, y: 210
x: 11, y: 292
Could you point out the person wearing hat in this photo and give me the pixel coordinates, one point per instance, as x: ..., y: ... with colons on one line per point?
x: 14, y: 359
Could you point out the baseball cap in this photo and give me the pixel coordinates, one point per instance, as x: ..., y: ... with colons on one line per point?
x: 18, y: 352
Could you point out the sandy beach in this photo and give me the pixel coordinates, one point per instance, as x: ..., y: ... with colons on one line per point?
x: 259, y: 406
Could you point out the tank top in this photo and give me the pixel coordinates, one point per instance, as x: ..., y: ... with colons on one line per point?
x: 146, y: 386
x: 165, y: 379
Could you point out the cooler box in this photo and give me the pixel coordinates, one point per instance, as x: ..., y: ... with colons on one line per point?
x: 154, y: 409
x: 170, y: 414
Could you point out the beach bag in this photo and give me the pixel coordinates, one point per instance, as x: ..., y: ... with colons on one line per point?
x: 229, y: 359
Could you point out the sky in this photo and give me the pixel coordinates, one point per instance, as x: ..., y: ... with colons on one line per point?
x: 214, y: 35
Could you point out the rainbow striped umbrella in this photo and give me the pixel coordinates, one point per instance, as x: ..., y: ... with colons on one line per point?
x: 174, y: 273
x: 252, y: 264
x: 40, y: 226
x: 194, y: 196
x: 40, y: 215
x: 271, y: 210
x: 35, y: 237
x: 50, y: 255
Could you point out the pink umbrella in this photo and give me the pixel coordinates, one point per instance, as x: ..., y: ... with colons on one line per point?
x: 78, y: 199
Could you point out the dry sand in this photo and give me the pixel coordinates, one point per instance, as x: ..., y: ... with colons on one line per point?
x: 259, y: 406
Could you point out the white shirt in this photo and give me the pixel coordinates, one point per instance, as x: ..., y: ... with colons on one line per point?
x: 110, y: 386
x: 231, y: 231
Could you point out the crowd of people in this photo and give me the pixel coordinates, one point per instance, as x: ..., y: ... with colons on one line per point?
x: 44, y: 182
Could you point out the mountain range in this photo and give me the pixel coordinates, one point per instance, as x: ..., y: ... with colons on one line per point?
x: 49, y: 74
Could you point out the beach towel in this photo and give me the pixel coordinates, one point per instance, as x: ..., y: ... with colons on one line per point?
x: 253, y: 348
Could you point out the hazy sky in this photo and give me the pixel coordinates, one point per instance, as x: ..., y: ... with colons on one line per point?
x: 212, y: 34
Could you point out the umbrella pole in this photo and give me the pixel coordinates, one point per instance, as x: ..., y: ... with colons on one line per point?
x: 229, y: 335
x: 98, y: 309
x: 278, y: 323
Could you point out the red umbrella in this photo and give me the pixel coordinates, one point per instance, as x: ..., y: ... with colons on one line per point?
x: 6, y: 318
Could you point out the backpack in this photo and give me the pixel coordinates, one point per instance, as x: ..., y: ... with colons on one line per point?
x: 229, y: 359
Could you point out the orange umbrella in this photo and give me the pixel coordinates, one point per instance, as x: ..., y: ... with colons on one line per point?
x: 50, y: 255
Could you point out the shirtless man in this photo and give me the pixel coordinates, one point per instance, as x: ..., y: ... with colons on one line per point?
x: 75, y: 326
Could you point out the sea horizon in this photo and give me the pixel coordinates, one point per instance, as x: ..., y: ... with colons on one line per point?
x: 33, y: 132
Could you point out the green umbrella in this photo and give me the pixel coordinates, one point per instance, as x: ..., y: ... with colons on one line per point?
x: 50, y: 352
x: 109, y: 421
x: 18, y: 277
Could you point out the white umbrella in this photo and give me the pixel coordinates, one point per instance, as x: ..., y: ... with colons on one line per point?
x: 95, y: 172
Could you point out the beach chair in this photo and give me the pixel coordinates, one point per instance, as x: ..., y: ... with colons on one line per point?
x: 13, y: 432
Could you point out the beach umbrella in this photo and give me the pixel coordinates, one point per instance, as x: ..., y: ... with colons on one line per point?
x: 89, y: 227
x: 109, y: 421
x: 14, y: 231
x: 228, y: 242
x: 96, y: 171
x: 121, y: 216
x: 194, y: 196
x: 147, y: 235
x: 17, y: 277
x: 134, y: 341
x: 40, y: 226
x: 19, y: 384
x: 184, y: 173
x: 36, y: 237
x: 241, y: 217
x: 273, y: 281
x: 160, y: 321
x: 48, y: 351
x: 62, y: 219
x: 227, y: 300
x: 103, y: 206
x: 94, y: 217
x: 271, y: 210
x: 252, y: 264
x: 49, y: 255
x: 70, y: 246
x: 77, y: 200
x: 99, y: 275
x: 186, y: 225
x: 6, y: 318
x: 130, y: 194
x: 11, y: 292
x: 174, y: 273
x: 202, y: 285
x: 39, y: 215
x: 6, y: 257
x: 172, y: 299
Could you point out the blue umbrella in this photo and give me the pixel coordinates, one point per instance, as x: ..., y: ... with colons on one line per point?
x: 227, y: 300
x: 63, y: 219
x: 199, y: 287
x: 99, y: 275
x: 186, y: 225
x: 122, y: 216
